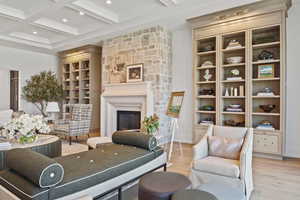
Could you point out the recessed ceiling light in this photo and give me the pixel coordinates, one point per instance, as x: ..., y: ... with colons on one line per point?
x: 108, y: 2
x: 34, y: 32
x: 81, y: 13
x: 65, y: 20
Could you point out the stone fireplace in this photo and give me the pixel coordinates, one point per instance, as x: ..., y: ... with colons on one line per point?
x: 152, y: 48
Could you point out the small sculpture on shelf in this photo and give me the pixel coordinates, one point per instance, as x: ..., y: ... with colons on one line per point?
x: 266, y: 55
x: 207, y: 76
x: 234, y: 92
x: 234, y: 59
x: 267, y: 108
x: 233, y: 44
x: 265, y: 125
x: 234, y: 75
x: 207, y: 92
x: 207, y: 108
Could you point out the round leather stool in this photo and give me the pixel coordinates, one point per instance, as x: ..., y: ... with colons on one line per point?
x: 161, y: 185
x: 193, y: 195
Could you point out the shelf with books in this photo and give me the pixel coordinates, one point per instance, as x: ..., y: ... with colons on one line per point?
x: 248, y: 71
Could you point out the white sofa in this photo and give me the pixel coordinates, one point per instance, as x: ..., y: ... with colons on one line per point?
x: 208, y: 169
x: 5, y: 116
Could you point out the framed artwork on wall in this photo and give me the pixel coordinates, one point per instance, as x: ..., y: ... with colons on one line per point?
x: 134, y: 73
x: 266, y: 71
x: 175, y: 104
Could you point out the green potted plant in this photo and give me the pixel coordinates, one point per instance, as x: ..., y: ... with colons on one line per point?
x: 151, y: 124
x: 41, y: 89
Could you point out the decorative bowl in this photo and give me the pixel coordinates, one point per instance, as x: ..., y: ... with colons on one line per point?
x: 267, y: 108
x: 234, y: 59
x: 207, y: 63
x: 206, y: 92
x: 207, y: 108
x: 234, y: 105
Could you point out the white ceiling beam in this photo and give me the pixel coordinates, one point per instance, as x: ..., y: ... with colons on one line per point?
x: 96, y: 11
x: 56, y: 26
x: 12, y: 13
x: 26, y: 42
x: 30, y: 37
x: 168, y: 3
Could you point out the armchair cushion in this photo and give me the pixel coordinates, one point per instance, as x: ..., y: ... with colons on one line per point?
x: 217, y: 165
x: 225, y: 147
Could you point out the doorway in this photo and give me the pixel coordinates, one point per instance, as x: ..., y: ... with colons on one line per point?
x: 14, y: 90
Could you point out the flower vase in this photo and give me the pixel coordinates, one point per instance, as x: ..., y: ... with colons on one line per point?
x: 27, y: 139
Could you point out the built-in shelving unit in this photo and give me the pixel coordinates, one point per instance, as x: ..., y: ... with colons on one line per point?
x: 247, y: 72
x: 81, y: 79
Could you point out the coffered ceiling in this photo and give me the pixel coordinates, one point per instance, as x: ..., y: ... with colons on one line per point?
x: 55, y: 25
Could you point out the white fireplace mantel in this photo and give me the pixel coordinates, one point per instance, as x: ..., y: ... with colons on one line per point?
x: 125, y: 96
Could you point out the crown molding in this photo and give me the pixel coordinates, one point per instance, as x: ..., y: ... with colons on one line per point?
x: 249, y: 10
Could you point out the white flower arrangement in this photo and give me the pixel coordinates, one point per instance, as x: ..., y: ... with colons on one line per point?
x: 26, y: 127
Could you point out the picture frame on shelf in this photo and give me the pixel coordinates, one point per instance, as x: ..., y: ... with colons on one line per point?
x: 175, y: 104
x: 266, y: 71
x: 134, y: 73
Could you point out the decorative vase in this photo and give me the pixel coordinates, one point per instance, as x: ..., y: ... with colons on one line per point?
x: 27, y: 139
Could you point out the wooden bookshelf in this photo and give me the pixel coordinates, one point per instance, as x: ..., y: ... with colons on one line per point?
x: 81, y: 78
x: 255, y: 36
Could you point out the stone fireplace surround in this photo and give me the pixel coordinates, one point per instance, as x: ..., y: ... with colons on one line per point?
x: 153, y: 48
x: 125, y: 97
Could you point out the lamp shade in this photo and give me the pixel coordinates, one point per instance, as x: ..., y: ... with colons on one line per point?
x: 52, y: 107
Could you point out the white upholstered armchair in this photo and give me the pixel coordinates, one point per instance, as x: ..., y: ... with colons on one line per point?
x: 236, y: 173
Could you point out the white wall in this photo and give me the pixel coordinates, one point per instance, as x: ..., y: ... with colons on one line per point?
x: 4, y: 87
x: 27, y: 63
x: 182, y: 80
x: 293, y: 81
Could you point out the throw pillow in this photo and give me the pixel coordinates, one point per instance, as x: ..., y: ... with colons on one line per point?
x: 228, y: 148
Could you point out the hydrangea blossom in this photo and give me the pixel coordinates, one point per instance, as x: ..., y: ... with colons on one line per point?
x: 26, y: 125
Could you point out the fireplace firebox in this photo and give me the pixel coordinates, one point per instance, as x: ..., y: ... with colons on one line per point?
x: 128, y: 120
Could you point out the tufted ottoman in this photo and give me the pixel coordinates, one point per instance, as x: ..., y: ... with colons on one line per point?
x: 94, y: 141
x: 161, y: 185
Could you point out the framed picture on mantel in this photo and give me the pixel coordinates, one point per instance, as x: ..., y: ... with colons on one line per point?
x: 134, y: 73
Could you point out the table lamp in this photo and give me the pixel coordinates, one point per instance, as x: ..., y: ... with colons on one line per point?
x: 52, y: 108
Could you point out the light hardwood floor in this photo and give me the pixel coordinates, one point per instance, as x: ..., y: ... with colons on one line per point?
x: 273, y: 179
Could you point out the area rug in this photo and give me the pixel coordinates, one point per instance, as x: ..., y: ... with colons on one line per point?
x: 72, y: 149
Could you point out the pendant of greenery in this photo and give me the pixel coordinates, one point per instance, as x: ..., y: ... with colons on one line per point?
x: 41, y: 89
